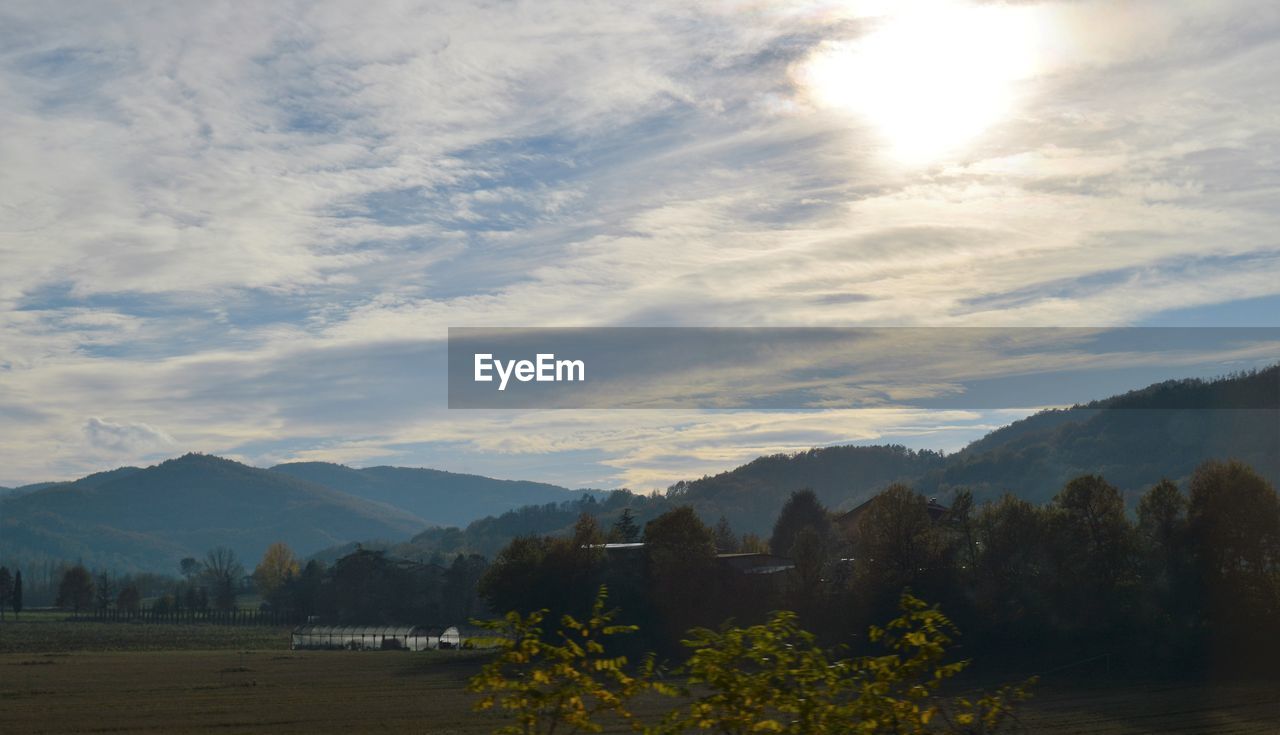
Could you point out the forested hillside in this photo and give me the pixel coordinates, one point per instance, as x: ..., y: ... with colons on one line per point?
x: 134, y: 519
x: 145, y: 519
x: 1134, y: 440
x: 438, y: 497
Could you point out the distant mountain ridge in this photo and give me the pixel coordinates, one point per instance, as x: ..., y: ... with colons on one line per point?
x: 147, y: 518
x: 1133, y: 439
x: 439, y: 497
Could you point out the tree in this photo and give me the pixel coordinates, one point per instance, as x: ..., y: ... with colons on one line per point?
x: 223, y: 571
x: 568, y: 679
x: 726, y: 541
x: 809, y: 554
x: 16, y: 598
x: 680, y: 564
x: 1162, y: 517
x: 304, y: 590
x: 1090, y: 511
x: 189, y: 567
x: 960, y: 520
x: 1169, y: 587
x: 625, y: 530
x: 1234, y: 527
x: 6, y: 589
x: 104, y: 591
x: 278, y: 565
x: 512, y: 581
x: 895, y: 541
x: 586, y: 532
x: 460, y: 584
x: 129, y: 599
x: 75, y: 591
x: 802, y: 510
x: 1011, y: 567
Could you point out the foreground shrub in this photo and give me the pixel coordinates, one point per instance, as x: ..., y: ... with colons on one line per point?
x: 564, y: 685
x: 769, y: 678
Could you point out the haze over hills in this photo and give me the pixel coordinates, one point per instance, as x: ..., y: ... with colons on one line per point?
x: 145, y: 519
x: 439, y: 497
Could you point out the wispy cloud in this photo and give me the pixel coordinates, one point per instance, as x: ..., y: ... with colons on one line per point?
x: 203, y: 206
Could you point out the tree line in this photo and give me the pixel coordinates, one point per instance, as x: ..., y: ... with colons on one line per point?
x: 11, y: 592
x: 1189, y: 578
x: 365, y: 587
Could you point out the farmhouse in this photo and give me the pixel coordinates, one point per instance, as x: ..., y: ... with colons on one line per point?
x: 373, y: 638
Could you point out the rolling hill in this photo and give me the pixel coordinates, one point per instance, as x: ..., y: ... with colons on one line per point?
x: 441, y: 498
x: 148, y: 519
x: 1134, y: 440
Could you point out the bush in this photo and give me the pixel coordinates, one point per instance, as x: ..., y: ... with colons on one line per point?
x: 764, y: 678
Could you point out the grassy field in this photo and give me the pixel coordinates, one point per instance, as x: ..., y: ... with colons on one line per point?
x: 81, y: 678
x: 49, y: 632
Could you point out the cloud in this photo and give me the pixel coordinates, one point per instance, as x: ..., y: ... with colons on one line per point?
x: 126, y: 438
x: 202, y: 205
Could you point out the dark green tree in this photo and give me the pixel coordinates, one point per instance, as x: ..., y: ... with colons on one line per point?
x: 1007, y: 590
x: 625, y: 530
x: 802, y: 510
x: 680, y: 566
x: 16, y: 598
x: 961, y: 522
x: 727, y: 542
x: 461, y: 601
x: 6, y: 589
x: 104, y: 590
x: 75, y: 591
x: 513, y: 581
x: 1162, y: 518
x: 1234, y: 532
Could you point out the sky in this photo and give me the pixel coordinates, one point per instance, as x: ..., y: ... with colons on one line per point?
x: 245, y: 228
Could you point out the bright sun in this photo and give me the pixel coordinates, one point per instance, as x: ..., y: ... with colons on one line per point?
x: 930, y: 76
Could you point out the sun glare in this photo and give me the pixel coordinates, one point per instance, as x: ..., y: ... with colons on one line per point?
x: 929, y: 76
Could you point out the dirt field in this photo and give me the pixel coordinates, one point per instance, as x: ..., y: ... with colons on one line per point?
x: 233, y: 692
x: 274, y: 690
x: 44, y: 632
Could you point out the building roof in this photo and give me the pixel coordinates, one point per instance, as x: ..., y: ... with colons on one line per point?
x: 398, y: 631
x: 756, y: 563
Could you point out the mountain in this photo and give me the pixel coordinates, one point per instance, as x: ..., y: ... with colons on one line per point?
x: 24, y: 489
x: 148, y: 519
x: 1133, y: 440
x: 441, y: 498
x: 750, y: 496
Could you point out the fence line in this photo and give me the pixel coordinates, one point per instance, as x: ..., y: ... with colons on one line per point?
x: 190, y: 617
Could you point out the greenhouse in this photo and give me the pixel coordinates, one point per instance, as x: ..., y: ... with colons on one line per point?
x: 373, y: 638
